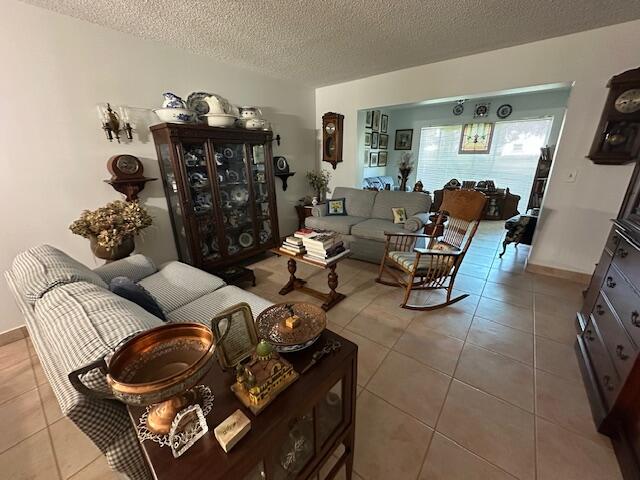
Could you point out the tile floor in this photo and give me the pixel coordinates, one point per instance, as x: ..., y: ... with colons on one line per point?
x: 486, y: 389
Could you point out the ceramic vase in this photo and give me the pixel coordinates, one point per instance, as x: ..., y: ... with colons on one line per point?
x: 121, y: 251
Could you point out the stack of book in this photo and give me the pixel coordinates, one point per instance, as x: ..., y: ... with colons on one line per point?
x: 293, y: 244
x: 324, y: 247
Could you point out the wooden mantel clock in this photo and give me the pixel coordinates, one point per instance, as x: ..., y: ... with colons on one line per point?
x: 617, y: 139
x: 332, y: 138
x: 127, y: 175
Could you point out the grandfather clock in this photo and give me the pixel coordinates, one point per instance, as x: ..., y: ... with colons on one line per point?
x: 332, y: 138
x: 617, y: 140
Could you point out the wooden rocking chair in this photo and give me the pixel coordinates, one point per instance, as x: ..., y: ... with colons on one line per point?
x: 434, y: 267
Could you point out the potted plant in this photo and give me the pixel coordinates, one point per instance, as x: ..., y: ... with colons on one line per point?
x: 319, y: 182
x: 111, y: 229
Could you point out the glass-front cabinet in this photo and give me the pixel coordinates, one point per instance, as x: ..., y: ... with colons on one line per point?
x: 220, y: 192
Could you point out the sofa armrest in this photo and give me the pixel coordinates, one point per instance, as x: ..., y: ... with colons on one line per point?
x: 319, y: 210
x: 135, y: 267
x: 415, y: 222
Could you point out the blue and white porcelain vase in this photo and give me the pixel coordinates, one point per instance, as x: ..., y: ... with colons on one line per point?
x: 172, y: 101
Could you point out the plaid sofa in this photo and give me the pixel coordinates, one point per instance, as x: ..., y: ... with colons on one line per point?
x: 74, y: 320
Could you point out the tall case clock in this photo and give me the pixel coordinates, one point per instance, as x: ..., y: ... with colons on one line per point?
x: 332, y: 138
x: 617, y: 140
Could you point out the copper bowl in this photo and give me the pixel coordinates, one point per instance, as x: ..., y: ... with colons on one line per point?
x: 270, y: 325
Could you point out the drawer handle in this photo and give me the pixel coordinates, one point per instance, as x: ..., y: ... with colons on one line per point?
x: 599, y: 310
x: 619, y: 350
x: 622, y: 252
x: 588, y: 334
x: 635, y: 321
x: 606, y: 380
x: 610, y: 282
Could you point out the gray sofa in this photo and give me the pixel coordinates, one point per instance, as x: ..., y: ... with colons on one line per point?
x: 73, y: 320
x: 368, y: 216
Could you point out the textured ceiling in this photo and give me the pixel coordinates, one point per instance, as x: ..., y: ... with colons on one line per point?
x: 330, y: 41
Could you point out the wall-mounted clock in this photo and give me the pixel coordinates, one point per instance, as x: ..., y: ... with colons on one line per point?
x: 127, y: 175
x: 617, y: 139
x: 332, y: 138
x: 481, y: 110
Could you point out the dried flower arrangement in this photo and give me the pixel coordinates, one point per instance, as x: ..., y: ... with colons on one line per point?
x: 112, y: 224
x: 405, y: 167
x: 319, y: 182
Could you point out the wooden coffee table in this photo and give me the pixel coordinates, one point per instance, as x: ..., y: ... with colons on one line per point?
x: 259, y: 455
x: 330, y: 299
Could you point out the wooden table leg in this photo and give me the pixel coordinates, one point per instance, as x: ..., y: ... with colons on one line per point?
x: 333, y: 297
x: 348, y: 445
x: 293, y: 282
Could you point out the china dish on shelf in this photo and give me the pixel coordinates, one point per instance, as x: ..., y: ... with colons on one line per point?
x: 198, y: 180
x: 264, y: 236
x: 291, y: 326
x: 228, y: 153
x: 224, y: 196
x: 175, y: 115
x: 245, y: 240
x: 196, y: 102
x: 240, y: 194
x: 233, y: 176
x: 223, y: 120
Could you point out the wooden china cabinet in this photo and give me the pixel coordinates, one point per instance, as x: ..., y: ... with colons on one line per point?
x: 220, y: 190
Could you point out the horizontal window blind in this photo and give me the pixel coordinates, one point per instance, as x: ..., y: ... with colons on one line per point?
x: 511, y: 162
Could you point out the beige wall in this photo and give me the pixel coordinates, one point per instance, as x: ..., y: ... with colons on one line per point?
x: 53, y: 153
x: 574, y: 223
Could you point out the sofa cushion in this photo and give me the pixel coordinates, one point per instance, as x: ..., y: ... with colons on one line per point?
x: 413, y: 202
x: 177, y: 284
x: 436, y: 266
x: 335, y: 223
x: 374, y: 228
x: 42, y: 268
x: 82, y: 322
x: 203, y: 309
x: 136, y: 267
x: 357, y: 202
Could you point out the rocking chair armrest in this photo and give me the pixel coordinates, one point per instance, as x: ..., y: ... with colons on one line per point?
x: 406, y: 234
x: 431, y: 251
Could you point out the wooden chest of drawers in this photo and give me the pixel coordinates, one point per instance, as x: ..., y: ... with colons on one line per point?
x: 609, y: 346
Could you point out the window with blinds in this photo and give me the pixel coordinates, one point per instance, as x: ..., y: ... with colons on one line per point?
x: 510, y: 163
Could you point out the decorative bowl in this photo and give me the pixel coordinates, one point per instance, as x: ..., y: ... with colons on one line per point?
x: 175, y: 115
x: 271, y: 326
x: 220, y: 120
x: 254, y: 123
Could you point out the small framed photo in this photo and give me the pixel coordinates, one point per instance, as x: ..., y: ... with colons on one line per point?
x: 366, y: 157
x: 369, y: 119
x: 384, y: 123
x: 382, y: 159
x: 375, y: 139
x: 384, y: 141
x: 367, y: 139
x: 375, y: 124
x: 235, y: 334
x: 373, y: 159
x: 404, y: 139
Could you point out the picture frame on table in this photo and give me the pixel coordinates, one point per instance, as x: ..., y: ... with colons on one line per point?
x: 384, y: 123
x: 404, y: 139
x: 375, y: 121
x: 368, y: 122
x: 373, y: 159
x: 382, y: 158
x: 237, y: 326
x: 383, y: 142
x: 367, y: 139
x: 366, y: 157
x: 375, y: 139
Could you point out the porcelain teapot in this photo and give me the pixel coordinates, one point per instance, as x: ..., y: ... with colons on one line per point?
x: 217, y: 104
x: 172, y: 101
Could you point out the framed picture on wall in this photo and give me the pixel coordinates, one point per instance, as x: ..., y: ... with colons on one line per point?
x: 404, y: 139
x: 375, y: 139
x: 384, y: 141
x: 373, y: 159
x: 382, y: 159
x: 375, y: 124
x: 367, y: 139
x: 366, y: 157
x: 369, y: 119
x: 384, y: 123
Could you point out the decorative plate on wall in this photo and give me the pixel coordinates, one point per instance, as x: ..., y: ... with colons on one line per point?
x: 504, y: 110
x: 481, y: 110
x: 458, y: 109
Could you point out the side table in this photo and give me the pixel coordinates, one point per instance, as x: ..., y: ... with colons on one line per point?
x: 303, y: 212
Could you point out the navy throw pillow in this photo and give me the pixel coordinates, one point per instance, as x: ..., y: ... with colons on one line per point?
x: 126, y: 288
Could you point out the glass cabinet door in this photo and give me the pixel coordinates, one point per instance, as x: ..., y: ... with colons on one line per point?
x: 296, y: 451
x: 257, y: 473
x: 329, y: 413
x: 262, y: 196
x: 234, y: 192
x: 173, y: 199
x: 198, y: 178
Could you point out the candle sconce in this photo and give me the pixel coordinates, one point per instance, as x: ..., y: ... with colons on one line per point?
x: 114, y: 123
